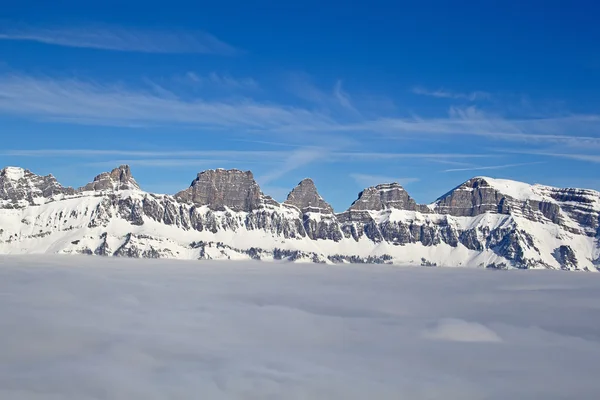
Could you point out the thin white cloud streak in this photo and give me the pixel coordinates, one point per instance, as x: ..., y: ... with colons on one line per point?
x: 85, y: 153
x: 342, y: 97
x: 450, y: 162
x: 74, y: 101
x: 294, y: 160
x: 233, y: 154
x: 164, y: 163
x: 269, y: 143
x: 90, y: 103
x: 446, y: 94
x: 492, y: 167
x: 301, y: 86
x: 372, y: 180
x: 374, y: 156
x: 594, y: 158
x: 570, y: 130
x: 122, y: 39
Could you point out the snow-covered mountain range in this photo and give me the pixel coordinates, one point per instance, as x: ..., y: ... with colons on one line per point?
x: 484, y: 222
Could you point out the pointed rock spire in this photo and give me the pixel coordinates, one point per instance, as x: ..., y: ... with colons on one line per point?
x: 118, y: 179
x: 307, y: 199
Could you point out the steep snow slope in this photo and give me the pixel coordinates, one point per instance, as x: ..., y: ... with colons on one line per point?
x: 484, y: 222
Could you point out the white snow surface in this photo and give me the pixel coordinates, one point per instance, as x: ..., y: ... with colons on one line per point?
x: 14, y: 173
x: 104, y: 328
x: 517, y: 190
x: 62, y: 227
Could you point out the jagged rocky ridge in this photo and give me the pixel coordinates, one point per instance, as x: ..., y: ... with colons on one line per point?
x: 223, y: 214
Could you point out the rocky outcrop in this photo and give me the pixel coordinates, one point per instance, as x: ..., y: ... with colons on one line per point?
x: 318, y: 219
x: 382, y: 197
x: 21, y: 185
x: 472, y: 198
x: 118, y: 179
x: 306, y: 198
x: 218, y: 189
x: 566, y: 257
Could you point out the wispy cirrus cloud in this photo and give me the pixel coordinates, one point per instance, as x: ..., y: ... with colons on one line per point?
x: 105, y: 37
x: 292, y: 161
x: 92, y: 103
x: 574, y: 130
x: 594, y: 158
x: 161, y: 162
x: 341, y: 96
x: 446, y: 94
x: 365, y: 180
x: 75, y: 101
x: 492, y: 167
x: 173, y: 156
x: 302, y: 86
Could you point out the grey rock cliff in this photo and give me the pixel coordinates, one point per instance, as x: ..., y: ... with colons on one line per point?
x: 118, y: 179
x: 474, y: 197
x: 17, y: 184
x: 222, y: 188
x: 384, y: 196
x: 565, y: 257
x: 477, y: 196
x: 307, y: 199
x: 318, y: 219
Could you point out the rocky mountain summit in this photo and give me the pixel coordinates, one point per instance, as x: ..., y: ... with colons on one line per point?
x: 223, y: 214
x: 220, y: 189
x: 307, y: 199
x: 383, y: 197
x: 118, y: 179
x: 19, y: 187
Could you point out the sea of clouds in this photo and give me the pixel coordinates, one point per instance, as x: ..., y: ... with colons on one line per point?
x: 104, y: 328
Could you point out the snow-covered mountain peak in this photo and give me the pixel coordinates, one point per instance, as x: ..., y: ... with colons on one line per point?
x: 119, y: 178
x: 20, y: 187
x: 517, y: 190
x: 13, y: 173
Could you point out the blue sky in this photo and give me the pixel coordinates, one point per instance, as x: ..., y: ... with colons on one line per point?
x: 427, y: 94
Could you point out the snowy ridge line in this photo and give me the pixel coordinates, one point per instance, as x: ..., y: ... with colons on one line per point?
x: 484, y: 222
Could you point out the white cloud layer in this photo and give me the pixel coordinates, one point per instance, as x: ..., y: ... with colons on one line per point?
x: 79, y: 328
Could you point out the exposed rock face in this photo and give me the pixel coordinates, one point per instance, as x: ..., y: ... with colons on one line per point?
x: 566, y: 257
x: 307, y: 199
x: 223, y: 214
x: 382, y: 197
x: 472, y: 198
x: 318, y: 219
x: 118, y: 179
x: 18, y: 184
x: 576, y: 210
x: 221, y: 188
